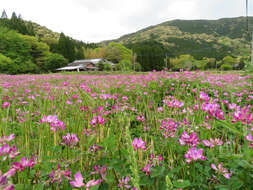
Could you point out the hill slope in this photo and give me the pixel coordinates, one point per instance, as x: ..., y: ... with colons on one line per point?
x: 200, y: 38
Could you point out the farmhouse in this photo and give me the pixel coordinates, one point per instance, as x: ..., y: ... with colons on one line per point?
x: 85, y: 64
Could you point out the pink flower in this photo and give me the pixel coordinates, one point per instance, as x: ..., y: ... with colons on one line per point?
x: 123, y: 183
x: 101, y: 170
x: 146, y: 169
x: 93, y: 183
x: 212, y: 142
x: 203, y: 96
x: 5, y: 139
x: 194, y: 154
x: 7, y: 151
x: 56, y: 175
x: 24, y: 163
x: 97, y: 120
x: 222, y: 170
x: 124, y: 98
x: 243, y: 115
x: 6, y: 105
x: 168, y: 127
x: 79, y: 181
x: 191, y: 140
x: 70, y: 140
x: 249, y: 138
x: 138, y: 144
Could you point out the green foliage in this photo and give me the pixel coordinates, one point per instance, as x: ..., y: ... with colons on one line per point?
x: 108, y: 67
x: 226, y: 67
x: 125, y: 65
x: 150, y: 54
x: 228, y: 60
x: 66, y: 47
x: 54, y: 61
x: 199, y: 38
x: 185, y: 62
x: 5, y: 63
x: 116, y: 52
x: 101, y: 66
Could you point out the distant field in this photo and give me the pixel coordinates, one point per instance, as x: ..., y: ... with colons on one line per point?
x: 114, y: 130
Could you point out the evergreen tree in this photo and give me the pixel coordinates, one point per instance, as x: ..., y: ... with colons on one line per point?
x: 4, y: 15
x: 66, y: 47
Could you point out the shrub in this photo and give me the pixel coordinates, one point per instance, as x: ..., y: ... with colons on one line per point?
x: 54, y: 61
x: 5, y: 63
x: 226, y: 67
x: 107, y: 67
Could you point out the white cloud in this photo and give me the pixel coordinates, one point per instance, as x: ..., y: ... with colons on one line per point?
x: 97, y: 20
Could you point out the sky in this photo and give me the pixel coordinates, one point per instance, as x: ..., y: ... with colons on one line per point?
x: 99, y: 20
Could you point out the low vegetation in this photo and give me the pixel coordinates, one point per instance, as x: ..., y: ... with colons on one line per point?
x: 159, y: 130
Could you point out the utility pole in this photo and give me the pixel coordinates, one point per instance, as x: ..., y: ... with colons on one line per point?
x: 134, y: 57
x: 166, y: 60
x: 252, y: 50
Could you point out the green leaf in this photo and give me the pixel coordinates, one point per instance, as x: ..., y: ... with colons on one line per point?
x: 182, y: 183
x: 157, y: 171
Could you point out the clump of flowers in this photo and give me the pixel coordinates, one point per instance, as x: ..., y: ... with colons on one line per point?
x: 54, y: 122
x: 70, y: 140
x: 97, y: 120
x: 78, y: 182
x: 24, y: 163
x: 190, y: 140
x: 7, y: 150
x: 139, y: 144
x: 4, y: 183
x: 172, y: 102
x: 147, y: 169
x: 194, y: 154
x: 6, y: 105
x: 56, y: 175
x: 124, y: 183
x: 168, y: 128
x: 203, y: 96
x: 221, y: 170
x: 213, y: 142
x: 249, y: 138
x: 101, y: 170
x: 213, y: 109
x: 243, y: 115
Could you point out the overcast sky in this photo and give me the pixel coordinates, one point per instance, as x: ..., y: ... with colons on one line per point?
x: 97, y: 20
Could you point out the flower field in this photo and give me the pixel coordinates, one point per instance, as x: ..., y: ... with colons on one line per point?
x: 158, y: 130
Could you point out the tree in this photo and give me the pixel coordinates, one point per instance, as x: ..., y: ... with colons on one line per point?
x: 125, y: 65
x: 116, y: 52
x: 4, y: 15
x: 101, y: 66
x: 108, y: 67
x: 54, y: 61
x: 186, y: 62
x: 150, y: 54
x: 5, y: 64
x: 66, y: 47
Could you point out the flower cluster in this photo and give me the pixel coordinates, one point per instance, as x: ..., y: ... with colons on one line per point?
x: 55, y: 123
x: 221, y: 170
x: 194, y: 154
x: 190, y: 140
x: 70, y: 140
x: 168, y: 128
x: 139, y: 144
x: 213, y: 142
x: 78, y: 181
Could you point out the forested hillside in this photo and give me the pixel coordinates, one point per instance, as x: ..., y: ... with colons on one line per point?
x: 27, y: 47
x: 200, y: 39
